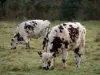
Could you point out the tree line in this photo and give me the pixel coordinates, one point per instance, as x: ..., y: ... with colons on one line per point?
x: 50, y: 9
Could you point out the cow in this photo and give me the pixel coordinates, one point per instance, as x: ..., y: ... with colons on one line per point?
x: 30, y: 29
x: 59, y: 40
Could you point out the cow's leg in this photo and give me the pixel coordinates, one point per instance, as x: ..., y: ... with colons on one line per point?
x: 43, y: 43
x: 27, y: 45
x: 78, y: 56
x: 79, y: 51
x: 27, y: 42
x: 64, y: 56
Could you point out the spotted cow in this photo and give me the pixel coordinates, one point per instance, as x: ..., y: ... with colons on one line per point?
x: 60, y: 39
x: 30, y: 29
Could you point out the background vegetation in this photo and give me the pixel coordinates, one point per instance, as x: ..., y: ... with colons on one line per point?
x: 50, y: 9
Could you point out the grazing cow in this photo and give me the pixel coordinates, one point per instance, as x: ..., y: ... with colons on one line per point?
x: 30, y: 29
x: 61, y: 37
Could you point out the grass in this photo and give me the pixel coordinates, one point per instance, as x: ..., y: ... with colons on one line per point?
x: 26, y: 61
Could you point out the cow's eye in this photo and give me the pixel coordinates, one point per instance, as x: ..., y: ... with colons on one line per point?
x: 12, y: 39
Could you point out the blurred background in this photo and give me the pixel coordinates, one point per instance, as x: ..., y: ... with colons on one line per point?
x: 50, y: 9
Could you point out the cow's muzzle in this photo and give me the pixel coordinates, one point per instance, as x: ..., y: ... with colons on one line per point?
x: 46, y: 68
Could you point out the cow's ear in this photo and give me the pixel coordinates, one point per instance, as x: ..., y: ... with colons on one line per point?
x: 40, y: 54
x: 53, y: 54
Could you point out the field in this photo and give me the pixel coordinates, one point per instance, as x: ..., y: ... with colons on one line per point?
x: 26, y: 61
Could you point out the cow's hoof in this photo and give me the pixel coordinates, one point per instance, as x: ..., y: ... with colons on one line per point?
x: 32, y: 48
x: 78, y: 66
x: 27, y: 48
x: 52, y: 68
x: 65, y: 67
x: 13, y: 48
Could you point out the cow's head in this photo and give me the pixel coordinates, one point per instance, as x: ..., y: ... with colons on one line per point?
x: 14, y: 43
x: 47, y: 59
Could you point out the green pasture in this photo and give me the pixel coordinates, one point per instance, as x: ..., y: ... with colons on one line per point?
x: 26, y: 61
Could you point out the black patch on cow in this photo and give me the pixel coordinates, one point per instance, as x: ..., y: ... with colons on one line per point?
x: 56, y: 44
x: 70, y: 25
x: 77, y: 51
x: 66, y: 44
x: 63, y: 39
x: 27, y: 31
x: 30, y: 22
x: 54, y: 55
x: 64, y: 24
x: 44, y: 43
x: 73, y: 32
x: 63, y: 60
x: 45, y: 40
x: 12, y: 40
x: 60, y: 28
x: 19, y: 38
x: 55, y: 30
x: 40, y: 54
x: 28, y: 27
x: 34, y: 23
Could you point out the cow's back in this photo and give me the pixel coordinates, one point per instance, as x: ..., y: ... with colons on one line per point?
x: 69, y: 33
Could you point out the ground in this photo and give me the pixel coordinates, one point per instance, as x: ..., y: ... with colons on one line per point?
x: 26, y: 61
